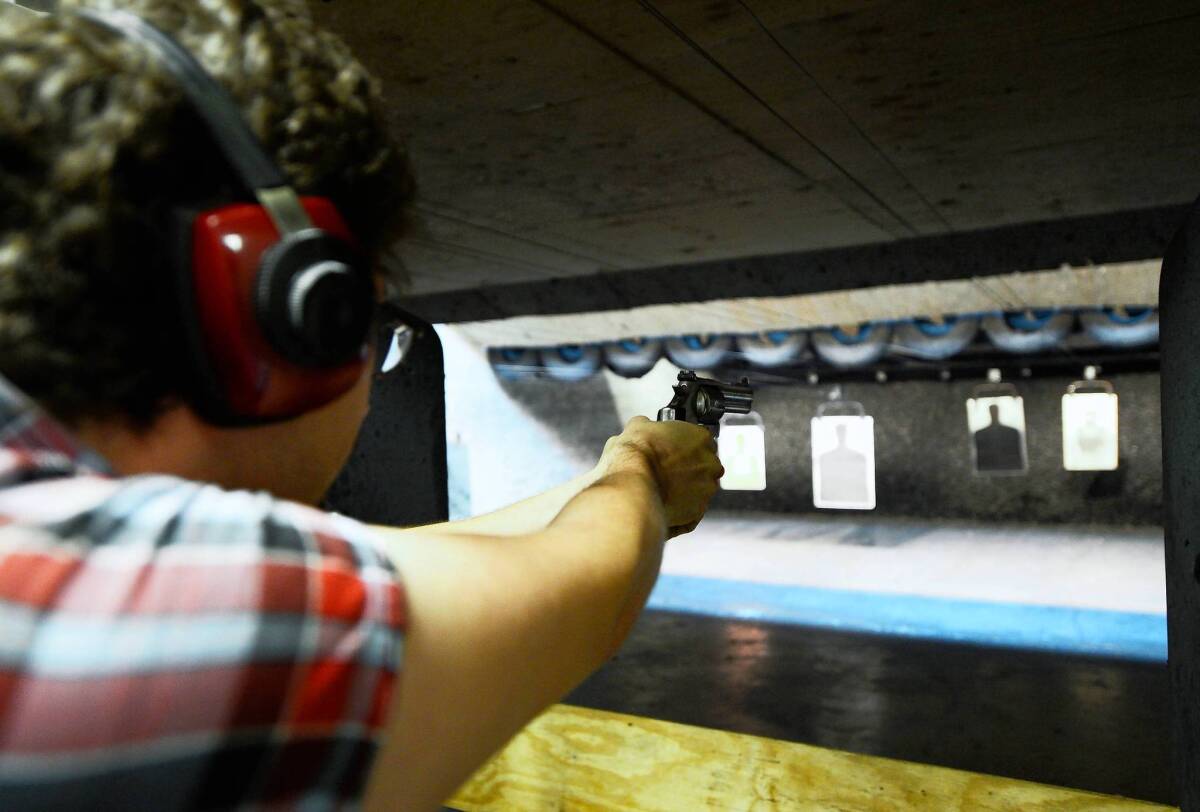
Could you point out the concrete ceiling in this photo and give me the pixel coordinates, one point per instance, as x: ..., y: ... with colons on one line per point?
x: 561, y: 138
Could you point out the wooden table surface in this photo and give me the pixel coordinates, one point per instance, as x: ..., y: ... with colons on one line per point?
x: 581, y: 759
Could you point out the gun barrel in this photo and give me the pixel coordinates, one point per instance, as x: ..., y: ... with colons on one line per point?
x: 738, y: 399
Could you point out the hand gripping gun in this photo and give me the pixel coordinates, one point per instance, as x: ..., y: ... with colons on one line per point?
x: 704, y: 402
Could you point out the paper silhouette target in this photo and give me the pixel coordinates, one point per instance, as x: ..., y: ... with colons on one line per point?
x: 743, y: 452
x: 843, y: 462
x: 1091, y: 431
x: 997, y: 426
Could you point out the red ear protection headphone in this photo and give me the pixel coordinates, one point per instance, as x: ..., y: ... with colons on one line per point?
x: 275, y: 300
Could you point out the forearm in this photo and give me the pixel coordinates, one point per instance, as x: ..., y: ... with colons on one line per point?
x: 524, y: 517
x: 582, y: 518
x: 500, y: 631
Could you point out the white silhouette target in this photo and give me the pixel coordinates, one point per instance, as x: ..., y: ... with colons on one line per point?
x: 1091, y: 431
x: 843, y: 462
x: 743, y: 452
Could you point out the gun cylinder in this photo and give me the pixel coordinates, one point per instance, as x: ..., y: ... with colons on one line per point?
x: 738, y: 399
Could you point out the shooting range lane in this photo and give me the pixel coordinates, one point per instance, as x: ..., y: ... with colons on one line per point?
x: 1081, y: 631
x: 1073, y: 721
x: 956, y: 645
x: 1099, y: 568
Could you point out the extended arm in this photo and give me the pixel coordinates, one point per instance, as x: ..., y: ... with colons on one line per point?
x: 497, y: 632
x: 526, y: 516
x: 536, y: 512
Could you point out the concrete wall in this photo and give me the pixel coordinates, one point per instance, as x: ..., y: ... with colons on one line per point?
x: 507, y: 442
x: 513, y: 439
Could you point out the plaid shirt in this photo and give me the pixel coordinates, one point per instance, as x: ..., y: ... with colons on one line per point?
x: 166, y: 644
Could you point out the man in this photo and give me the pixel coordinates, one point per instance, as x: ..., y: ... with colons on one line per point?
x: 177, y: 630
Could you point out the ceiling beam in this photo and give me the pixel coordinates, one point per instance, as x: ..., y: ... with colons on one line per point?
x: 1078, y: 241
x: 1122, y: 284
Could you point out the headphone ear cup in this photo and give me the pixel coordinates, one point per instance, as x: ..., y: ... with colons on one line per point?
x: 314, y: 300
x: 275, y: 327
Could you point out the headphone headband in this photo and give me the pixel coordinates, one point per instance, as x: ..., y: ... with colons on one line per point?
x: 39, y: 7
x: 256, y: 170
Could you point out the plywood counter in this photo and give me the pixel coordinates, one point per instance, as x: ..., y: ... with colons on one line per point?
x: 580, y: 759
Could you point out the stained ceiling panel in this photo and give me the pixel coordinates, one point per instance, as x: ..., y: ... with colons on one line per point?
x: 561, y: 138
x: 1010, y: 112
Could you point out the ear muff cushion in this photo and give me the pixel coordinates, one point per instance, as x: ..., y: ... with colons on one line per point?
x: 314, y: 299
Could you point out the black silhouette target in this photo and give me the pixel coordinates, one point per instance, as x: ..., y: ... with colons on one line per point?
x: 997, y: 426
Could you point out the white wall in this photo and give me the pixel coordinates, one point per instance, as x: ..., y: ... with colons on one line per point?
x: 501, y: 451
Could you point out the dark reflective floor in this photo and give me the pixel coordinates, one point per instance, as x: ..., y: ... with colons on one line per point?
x: 1071, y: 721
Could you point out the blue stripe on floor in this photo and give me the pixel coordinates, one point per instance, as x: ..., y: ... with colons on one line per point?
x: 1078, y: 631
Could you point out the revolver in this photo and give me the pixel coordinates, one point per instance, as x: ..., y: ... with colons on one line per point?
x: 704, y: 402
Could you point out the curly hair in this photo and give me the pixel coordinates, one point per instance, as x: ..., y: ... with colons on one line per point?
x: 97, y: 145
